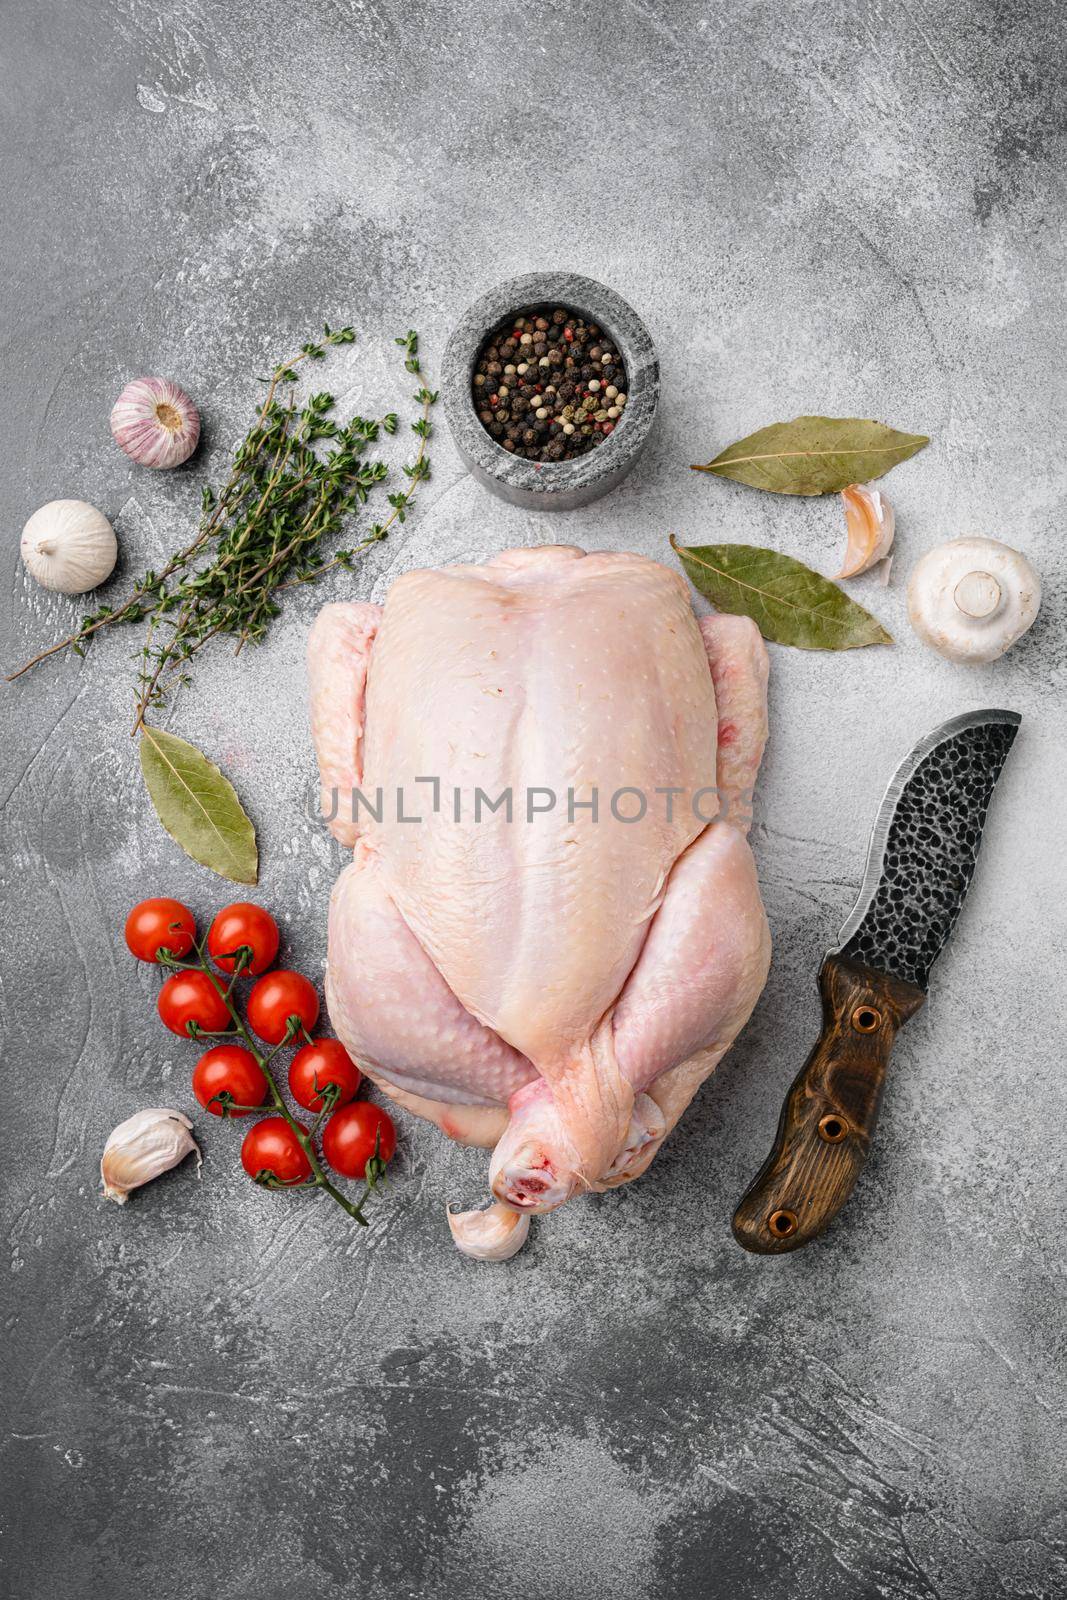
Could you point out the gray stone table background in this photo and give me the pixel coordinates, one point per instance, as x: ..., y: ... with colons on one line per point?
x: 218, y: 1394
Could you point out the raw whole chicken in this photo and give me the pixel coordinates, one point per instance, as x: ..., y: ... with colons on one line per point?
x: 554, y: 974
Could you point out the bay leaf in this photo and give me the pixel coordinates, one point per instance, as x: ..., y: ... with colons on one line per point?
x: 788, y: 602
x: 815, y: 455
x: 198, y: 806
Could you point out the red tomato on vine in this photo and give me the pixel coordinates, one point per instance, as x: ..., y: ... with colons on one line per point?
x: 155, y: 924
x: 243, y: 927
x: 359, y: 1134
x: 317, y: 1066
x: 277, y: 997
x: 272, y: 1149
x: 227, y: 1076
x: 191, y: 997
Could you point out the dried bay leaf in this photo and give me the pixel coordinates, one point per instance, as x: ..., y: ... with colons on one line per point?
x: 198, y: 806
x: 788, y: 602
x: 814, y: 455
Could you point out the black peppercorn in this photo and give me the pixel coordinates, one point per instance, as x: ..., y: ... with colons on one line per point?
x: 553, y: 358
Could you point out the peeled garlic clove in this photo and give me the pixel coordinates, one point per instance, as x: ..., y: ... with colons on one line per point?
x: 69, y: 546
x: 139, y: 1149
x: 495, y: 1234
x: 155, y: 422
x: 871, y: 524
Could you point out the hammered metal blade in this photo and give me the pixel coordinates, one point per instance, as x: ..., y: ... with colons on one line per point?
x: 924, y: 846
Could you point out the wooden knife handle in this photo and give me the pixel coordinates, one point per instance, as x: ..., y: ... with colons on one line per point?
x: 827, y: 1122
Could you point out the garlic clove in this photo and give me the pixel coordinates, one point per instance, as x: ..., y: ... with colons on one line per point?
x: 495, y: 1234
x: 871, y: 524
x: 139, y: 1149
x: 155, y: 422
x: 69, y: 546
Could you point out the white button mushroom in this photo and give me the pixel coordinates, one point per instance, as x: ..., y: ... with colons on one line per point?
x: 970, y: 599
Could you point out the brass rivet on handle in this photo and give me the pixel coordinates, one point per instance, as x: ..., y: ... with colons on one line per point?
x: 782, y: 1223
x: 865, y: 1019
x: 832, y: 1128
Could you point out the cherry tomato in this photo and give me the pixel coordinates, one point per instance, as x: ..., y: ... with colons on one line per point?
x: 349, y: 1138
x: 229, y: 1070
x: 326, y: 1061
x: 243, y: 926
x: 272, y: 1146
x: 156, y: 923
x: 276, y: 998
x: 192, y: 997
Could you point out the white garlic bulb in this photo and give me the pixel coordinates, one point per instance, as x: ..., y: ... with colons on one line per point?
x: 155, y: 422
x: 70, y: 546
x: 495, y: 1234
x: 139, y: 1149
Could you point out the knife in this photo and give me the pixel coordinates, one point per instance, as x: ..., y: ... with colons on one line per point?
x: 919, y: 867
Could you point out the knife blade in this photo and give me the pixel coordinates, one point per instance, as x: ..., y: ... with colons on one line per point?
x: 922, y: 855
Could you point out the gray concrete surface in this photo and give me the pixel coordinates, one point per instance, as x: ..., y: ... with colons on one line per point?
x: 217, y: 1393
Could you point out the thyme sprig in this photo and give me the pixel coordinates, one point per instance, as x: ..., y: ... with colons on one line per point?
x: 295, y: 478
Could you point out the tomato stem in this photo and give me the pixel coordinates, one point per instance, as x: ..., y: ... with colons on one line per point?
x: 241, y: 959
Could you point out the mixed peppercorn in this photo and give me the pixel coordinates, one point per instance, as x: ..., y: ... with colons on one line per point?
x: 549, y: 386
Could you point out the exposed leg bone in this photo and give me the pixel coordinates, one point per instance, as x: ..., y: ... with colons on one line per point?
x: 535, y: 1165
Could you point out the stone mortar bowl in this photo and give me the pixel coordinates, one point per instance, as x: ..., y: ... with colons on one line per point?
x: 551, y: 485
